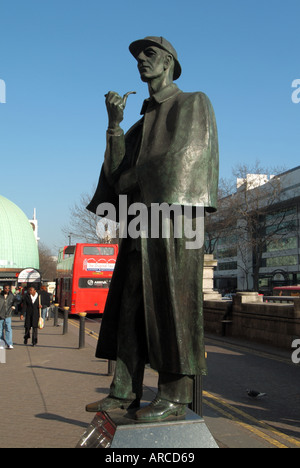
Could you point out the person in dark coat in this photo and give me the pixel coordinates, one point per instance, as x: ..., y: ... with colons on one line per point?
x: 154, y: 309
x: 46, y: 302
x: 7, y: 305
x: 31, y: 311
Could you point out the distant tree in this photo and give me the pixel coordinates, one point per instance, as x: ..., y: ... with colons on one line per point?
x: 87, y: 227
x: 253, y: 214
x: 217, y: 225
x: 47, y: 263
x: 262, y: 217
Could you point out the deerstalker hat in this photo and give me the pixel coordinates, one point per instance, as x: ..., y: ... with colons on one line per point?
x: 137, y: 46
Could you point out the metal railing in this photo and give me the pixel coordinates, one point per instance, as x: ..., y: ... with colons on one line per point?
x: 280, y: 299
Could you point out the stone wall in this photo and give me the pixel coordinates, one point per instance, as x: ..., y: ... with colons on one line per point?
x: 248, y: 317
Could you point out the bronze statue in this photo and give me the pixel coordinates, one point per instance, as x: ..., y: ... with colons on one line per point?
x: 154, y: 310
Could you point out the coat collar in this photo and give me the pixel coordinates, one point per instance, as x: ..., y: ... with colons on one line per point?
x: 8, y: 295
x: 161, y: 96
x: 34, y: 298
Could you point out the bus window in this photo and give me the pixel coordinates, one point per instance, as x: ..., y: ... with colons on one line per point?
x: 94, y: 250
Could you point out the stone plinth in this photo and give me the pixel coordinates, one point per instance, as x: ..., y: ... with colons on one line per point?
x: 117, y: 430
x: 209, y: 294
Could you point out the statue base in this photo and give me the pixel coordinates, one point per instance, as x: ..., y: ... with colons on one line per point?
x: 117, y: 430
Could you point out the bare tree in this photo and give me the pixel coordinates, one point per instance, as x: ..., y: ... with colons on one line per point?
x: 47, y: 263
x: 261, y: 216
x: 87, y: 227
x: 217, y: 226
x: 255, y: 215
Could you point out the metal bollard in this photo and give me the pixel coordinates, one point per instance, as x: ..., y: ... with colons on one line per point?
x: 66, y: 316
x: 82, y: 316
x: 111, y: 367
x: 196, y: 404
x: 55, y: 321
x: 2, y: 352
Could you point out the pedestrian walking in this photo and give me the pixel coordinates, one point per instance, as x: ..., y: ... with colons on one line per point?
x: 31, y: 311
x: 18, y: 301
x: 7, y: 306
x: 45, y: 301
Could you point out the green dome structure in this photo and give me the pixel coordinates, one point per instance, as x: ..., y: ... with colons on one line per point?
x: 18, y: 245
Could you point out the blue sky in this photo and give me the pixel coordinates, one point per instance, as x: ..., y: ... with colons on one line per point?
x: 59, y: 57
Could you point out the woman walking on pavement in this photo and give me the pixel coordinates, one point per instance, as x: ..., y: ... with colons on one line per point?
x: 31, y: 310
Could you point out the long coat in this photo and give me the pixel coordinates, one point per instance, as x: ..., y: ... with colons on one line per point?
x: 170, y: 155
x: 31, y: 311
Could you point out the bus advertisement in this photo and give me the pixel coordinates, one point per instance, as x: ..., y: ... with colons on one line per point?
x: 84, y: 273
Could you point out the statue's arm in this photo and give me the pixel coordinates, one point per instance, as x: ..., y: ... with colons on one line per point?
x: 114, y: 154
x: 115, y: 138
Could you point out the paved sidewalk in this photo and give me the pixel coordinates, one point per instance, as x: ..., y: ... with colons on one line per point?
x: 44, y: 389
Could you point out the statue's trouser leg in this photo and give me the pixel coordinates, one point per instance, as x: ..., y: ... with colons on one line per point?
x: 175, y: 388
x: 132, y: 348
x: 172, y: 387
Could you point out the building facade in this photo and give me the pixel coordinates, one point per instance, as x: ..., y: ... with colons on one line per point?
x: 258, y: 247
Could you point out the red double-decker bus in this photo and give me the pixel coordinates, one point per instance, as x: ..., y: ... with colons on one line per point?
x: 293, y: 291
x: 84, y: 274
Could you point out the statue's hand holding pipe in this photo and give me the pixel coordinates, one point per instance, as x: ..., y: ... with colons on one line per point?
x: 115, y: 105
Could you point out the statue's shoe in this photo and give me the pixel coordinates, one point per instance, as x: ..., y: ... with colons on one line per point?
x: 109, y: 403
x: 159, y: 410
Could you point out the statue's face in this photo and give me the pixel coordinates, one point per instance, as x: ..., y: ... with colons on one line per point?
x: 151, y: 63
